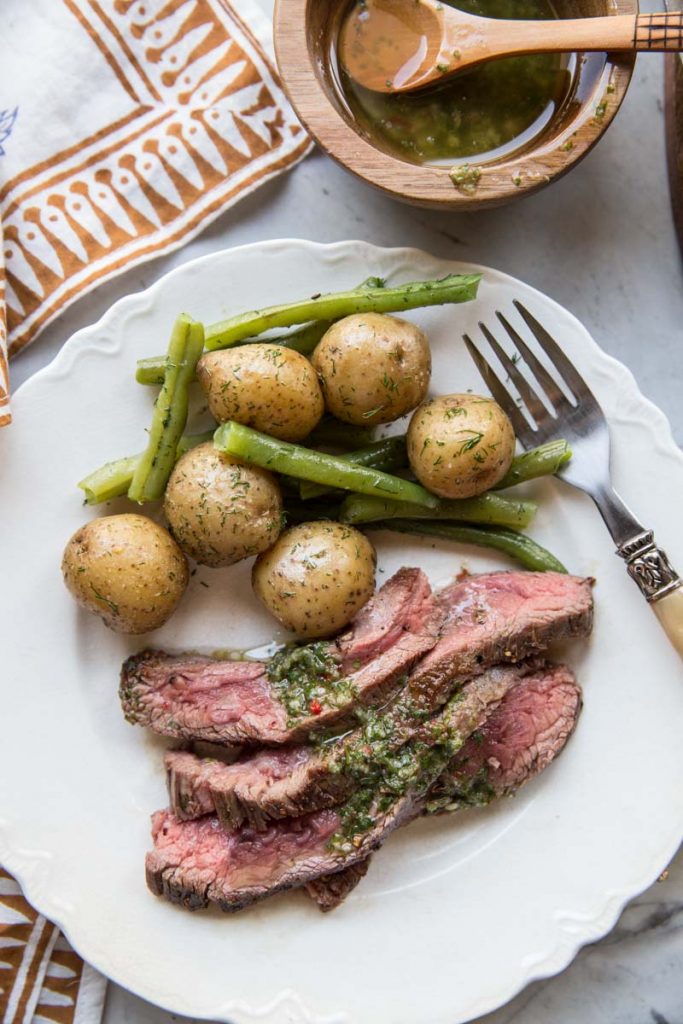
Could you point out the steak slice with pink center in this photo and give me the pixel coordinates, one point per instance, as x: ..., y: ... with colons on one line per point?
x: 490, y: 618
x: 199, y: 862
x: 232, y: 702
x: 518, y: 740
x: 501, y: 617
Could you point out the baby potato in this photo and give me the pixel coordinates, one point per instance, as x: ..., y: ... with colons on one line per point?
x: 126, y: 569
x: 220, y: 510
x: 373, y: 368
x: 268, y: 387
x: 316, y: 577
x: 460, y: 445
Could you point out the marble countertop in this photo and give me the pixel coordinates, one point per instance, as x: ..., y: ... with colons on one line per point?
x: 601, y: 242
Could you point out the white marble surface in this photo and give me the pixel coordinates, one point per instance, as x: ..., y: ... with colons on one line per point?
x: 601, y: 242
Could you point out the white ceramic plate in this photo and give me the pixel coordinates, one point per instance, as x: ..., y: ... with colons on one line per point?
x: 456, y: 914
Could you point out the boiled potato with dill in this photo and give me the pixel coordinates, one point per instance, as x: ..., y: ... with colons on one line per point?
x: 316, y: 577
x: 220, y: 510
x: 460, y: 445
x: 126, y: 569
x: 373, y: 368
x: 268, y: 387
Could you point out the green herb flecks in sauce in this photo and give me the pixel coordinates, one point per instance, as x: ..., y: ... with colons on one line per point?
x: 502, y: 104
x: 462, y: 791
x: 384, y: 769
x: 307, y: 680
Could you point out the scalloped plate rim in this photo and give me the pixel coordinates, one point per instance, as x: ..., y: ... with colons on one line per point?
x: 20, y: 862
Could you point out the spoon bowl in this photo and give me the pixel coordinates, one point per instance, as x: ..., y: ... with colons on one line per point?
x: 388, y: 43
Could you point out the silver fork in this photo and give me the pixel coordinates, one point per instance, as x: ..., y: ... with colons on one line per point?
x: 545, y: 413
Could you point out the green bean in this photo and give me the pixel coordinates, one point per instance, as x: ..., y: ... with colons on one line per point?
x: 386, y: 454
x: 332, y: 433
x: 334, y: 306
x: 170, y: 412
x: 486, y: 508
x: 542, y: 461
x: 304, y: 340
x: 189, y: 441
x: 310, y: 511
x: 113, y: 479
x: 520, y: 547
x: 306, y: 464
x: 151, y: 370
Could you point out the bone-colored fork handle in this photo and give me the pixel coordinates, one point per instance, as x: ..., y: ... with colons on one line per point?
x: 649, y: 566
x: 669, y: 611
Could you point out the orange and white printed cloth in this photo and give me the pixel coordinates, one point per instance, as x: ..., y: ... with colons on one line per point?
x: 125, y: 127
x: 42, y: 980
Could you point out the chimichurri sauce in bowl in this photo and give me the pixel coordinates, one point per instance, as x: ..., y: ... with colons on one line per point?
x: 488, y: 112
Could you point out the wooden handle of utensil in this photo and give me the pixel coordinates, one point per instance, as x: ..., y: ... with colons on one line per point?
x: 669, y: 611
x: 618, y: 32
x: 659, y: 32
x: 673, y: 121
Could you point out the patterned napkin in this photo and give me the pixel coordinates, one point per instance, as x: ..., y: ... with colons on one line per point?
x: 41, y: 978
x: 125, y: 127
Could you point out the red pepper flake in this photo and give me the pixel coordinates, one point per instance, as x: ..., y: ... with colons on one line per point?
x: 315, y: 707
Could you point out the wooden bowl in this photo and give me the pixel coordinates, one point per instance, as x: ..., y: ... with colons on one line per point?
x: 305, y: 31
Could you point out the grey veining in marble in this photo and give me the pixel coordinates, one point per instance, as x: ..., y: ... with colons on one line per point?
x: 601, y: 242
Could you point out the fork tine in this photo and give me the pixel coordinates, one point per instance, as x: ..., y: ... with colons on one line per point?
x: 520, y: 424
x: 570, y: 374
x: 527, y: 393
x: 554, y: 393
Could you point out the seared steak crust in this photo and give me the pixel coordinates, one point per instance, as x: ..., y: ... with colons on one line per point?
x: 329, y: 891
x: 232, y: 702
x: 247, y: 791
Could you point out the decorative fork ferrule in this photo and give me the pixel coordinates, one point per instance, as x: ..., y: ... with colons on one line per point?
x: 648, y: 566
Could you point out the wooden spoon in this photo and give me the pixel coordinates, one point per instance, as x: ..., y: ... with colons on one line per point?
x: 401, y: 45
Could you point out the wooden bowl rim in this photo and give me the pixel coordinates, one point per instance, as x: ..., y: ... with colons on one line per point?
x: 498, y: 183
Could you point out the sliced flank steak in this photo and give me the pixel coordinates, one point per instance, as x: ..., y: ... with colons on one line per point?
x: 247, y: 791
x: 490, y: 618
x: 330, y: 891
x: 286, y: 782
x: 500, y: 617
x: 518, y: 740
x: 300, y: 690
x: 200, y: 862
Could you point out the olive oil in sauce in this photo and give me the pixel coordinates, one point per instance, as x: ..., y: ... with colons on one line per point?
x: 494, y: 109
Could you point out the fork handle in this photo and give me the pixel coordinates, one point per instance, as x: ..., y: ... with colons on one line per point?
x: 669, y: 611
x: 649, y: 566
